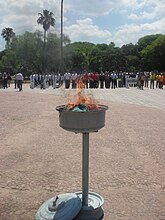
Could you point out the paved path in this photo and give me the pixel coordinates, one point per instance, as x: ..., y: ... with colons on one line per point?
x: 147, y: 97
x: 39, y: 160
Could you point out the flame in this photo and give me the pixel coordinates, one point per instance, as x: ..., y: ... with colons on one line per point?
x: 81, y: 98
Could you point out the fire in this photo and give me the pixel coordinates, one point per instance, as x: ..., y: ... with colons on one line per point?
x: 81, y: 99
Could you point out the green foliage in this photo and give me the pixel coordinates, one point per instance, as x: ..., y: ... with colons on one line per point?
x: 46, y: 19
x: 28, y: 53
x: 147, y: 40
x: 9, y: 61
x: 78, y: 55
x: 28, y: 49
x: 153, y: 54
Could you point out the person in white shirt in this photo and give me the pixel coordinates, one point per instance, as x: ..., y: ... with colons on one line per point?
x: 67, y: 80
x: 54, y: 81
x: 32, y: 78
x: 74, y: 77
x: 19, y: 78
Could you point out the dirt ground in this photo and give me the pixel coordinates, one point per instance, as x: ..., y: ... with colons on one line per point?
x: 39, y: 160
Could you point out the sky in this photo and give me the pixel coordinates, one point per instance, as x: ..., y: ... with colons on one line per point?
x: 95, y: 21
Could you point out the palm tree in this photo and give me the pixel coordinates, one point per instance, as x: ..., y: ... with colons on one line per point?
x: 8, y: 34
x: 46, y: 20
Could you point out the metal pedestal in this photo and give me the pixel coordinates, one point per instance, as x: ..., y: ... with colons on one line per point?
x: 91, y: 202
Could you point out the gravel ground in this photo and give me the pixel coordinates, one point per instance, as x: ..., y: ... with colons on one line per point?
x: 39, y: 160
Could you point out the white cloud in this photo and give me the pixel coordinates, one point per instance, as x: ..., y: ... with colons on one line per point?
x: 22, y: 15
x: 129, y: 3
x: 131, y: 33
x: 151, y: 10
x: 143, y: 15
x: 85, y: 29
x: 99, y: 7
x: 90, y: 7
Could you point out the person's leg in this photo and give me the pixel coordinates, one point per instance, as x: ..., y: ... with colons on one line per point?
x: 20, y: 85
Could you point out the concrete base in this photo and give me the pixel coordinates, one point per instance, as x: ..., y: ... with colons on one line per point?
x: 92, y: 211
x: 90, y: 214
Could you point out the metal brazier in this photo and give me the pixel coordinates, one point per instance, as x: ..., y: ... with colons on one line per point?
x: 82, y: 122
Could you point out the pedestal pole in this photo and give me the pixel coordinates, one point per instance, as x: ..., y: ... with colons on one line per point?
x: 85, y: 168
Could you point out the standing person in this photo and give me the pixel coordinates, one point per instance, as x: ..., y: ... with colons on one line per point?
x: 107, y: 80
x: 141, y: 81
x: 31, y: 82
x: 157, y: 77
x: 163, y: 76
x: 4, y: 78
x: 67, y: 80
x: 102, y: 80
x: 146, y: 77
x: 74, y: 77
x: 15, y: 81
x: 8, y: 79
x: 42, y: 85
x: 86, y: 79
x: 94, y: 80
x: 54, y: 81
x: 119, y: 80
x: 114, y: 80
x: 152, y: 80
x: 126, y: 80
x: 1, y: 81
x: 91, y: 81
x: 19, y: 78
x: 123, y: 79
x: 161, y: 81
x: 97, y: 80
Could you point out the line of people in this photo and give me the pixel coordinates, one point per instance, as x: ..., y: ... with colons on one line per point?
x: 91, y: 80
x: 114, y: 80
x: 43, y: 81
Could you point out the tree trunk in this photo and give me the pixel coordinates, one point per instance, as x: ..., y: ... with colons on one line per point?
x: 62, y: 56
x: 44, y: 53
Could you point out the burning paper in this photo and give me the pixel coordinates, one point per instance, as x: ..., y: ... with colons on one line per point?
x: 80, y: 102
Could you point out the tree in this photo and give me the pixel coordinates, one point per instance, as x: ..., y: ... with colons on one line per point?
x: 147, y: 40
x: 28, y: 50
x: 46, y: 20
x: 7, y: 34
x: 9, y: 61
x: 153, y: 54
x: 132, y: 56
x: 78, y: 55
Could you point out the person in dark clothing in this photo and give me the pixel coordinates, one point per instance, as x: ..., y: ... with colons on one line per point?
x: 102, y: 80
x: 114, y: 80
x: 4, y: 78
x: 123, y: 79
x: 91, y: 81
x: 141, y: 81
x: 107, y: 80
x: 1, y: 81
x: 8, y: 79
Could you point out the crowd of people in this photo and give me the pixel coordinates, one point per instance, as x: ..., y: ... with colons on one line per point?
x: 99, y: 80
x: 46, y: 80
x: 5, y: 80
x: 91, y: 80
